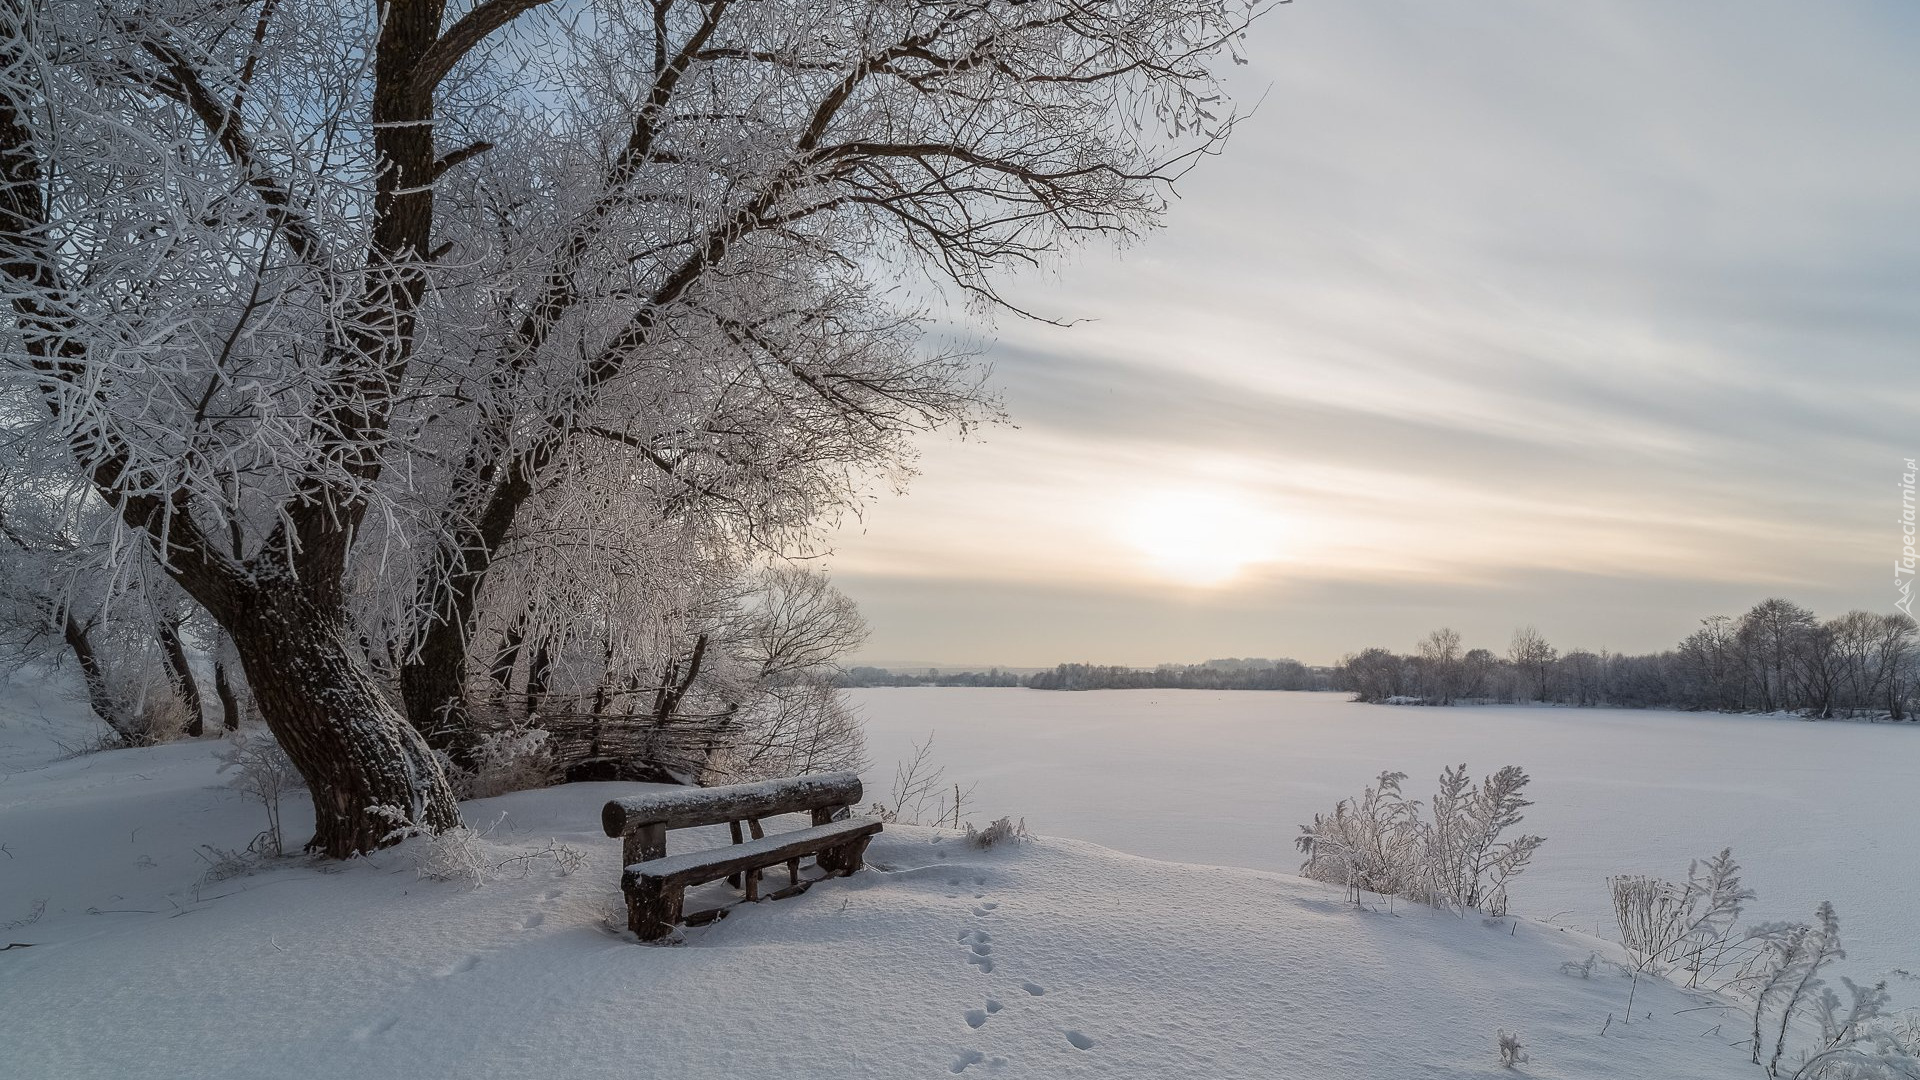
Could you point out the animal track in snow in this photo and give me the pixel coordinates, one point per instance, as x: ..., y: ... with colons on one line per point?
x: 969, y: 937
x: 461, y: 967
x: 984, y: 910
x: 994, y: 1006
x: 1033, y: 988
x: 976, y: 1017
x: 1079, y: 1041
x: 983, y: 962
x: 532, y: 920
x: 553, y: 894
x: 966, y: 1058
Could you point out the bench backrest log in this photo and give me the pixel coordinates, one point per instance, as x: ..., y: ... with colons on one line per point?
x: 688, y: 807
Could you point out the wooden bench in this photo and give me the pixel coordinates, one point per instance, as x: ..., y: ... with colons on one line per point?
x: 656, y: 883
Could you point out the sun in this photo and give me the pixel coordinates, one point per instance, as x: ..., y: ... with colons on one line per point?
x: 1201, y: 539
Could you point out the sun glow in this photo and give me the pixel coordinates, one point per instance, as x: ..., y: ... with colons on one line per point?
x: 1200, y: 538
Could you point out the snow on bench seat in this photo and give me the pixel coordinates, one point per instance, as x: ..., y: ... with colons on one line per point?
x: 697, y: 867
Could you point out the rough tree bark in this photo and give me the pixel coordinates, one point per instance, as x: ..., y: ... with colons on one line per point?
x: 369, y: 771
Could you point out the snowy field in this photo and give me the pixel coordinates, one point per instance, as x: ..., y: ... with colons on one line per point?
x: 1049, y: 959
x: 1814, y: 811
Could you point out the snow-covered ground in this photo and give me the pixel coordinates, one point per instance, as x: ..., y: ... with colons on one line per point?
x: 1052, y: 958
x: 1814, y: 811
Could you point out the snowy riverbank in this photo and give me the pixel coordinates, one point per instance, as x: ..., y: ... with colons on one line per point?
x: 1046, y: 959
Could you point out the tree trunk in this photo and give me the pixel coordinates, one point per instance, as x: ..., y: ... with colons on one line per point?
x: 433, y: 688
x: 502, y: 671
x: 539, y: 671
x: 369, y: 771
x: 81, y: 642
x: 229, y: 700
x: 173, y: 654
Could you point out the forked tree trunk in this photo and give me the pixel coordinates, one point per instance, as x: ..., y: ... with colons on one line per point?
x: 370, y: 772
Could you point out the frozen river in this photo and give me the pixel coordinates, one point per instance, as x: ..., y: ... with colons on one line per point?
x: 1813, y: 811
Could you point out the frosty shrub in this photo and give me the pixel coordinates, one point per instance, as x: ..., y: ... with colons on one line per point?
x: 515, y: 758
x: 919, y: 794
x: 223, y: 864
x: 1853, y: 1038
x: 162, y: 719
x: 262, y: 772
x: 1511, y: 1052
x: 1381, y: 843
x: 1003, y: 829
x: 1688, y: 926
x: 1369, y: 844
x: 467, y: 855
x: 453, y: 854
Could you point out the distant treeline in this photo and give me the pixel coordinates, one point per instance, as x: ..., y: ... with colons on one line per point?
x: 873, y: 676
x: 1213, y: 675
x: 1228, y: 674
x: 1776, y: 657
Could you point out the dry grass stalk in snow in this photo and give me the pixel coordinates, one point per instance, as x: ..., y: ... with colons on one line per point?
x: 1686, y: 925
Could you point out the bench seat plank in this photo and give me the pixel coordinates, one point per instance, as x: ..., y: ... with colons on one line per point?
x: 699, y: 867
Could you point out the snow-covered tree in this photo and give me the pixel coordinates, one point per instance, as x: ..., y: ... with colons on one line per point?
x: 313, y: 292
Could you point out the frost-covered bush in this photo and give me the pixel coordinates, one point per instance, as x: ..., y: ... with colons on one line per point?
x: 1003, y: 829
x: 1381, y: 842
x: 919, y: 794
x: 262, y: 772
x: 1854, y: 1039
x: 1369, y: 844
x: 472, y: 856
x: 518, y: 757
x: 1511, y: 1052
x: 161, y: 718
x: 453, y: 854
x: 1688, y: 926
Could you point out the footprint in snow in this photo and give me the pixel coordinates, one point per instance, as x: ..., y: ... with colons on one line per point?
x: 533, y: 920
x: 370, y: 1031
x: 994, y: 1006
x: 984, y: 910
x: 461, y: 967
x: 1079, y: 1041
x: 971, y: 936
x: 1033, y: 988
x: 553, y: 894
x: 976, y: 1018
x: 966, y: 1058
x: 981, y: 960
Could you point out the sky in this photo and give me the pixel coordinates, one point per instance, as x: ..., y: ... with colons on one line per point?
x: 1598, y: 317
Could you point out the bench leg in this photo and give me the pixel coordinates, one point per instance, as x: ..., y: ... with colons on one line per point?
x: 733, y: 880
x: 853, y: 856
x: 845, y: 859
x: 652, y: 908
x: 753, y: 886
x: 793, y: 872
